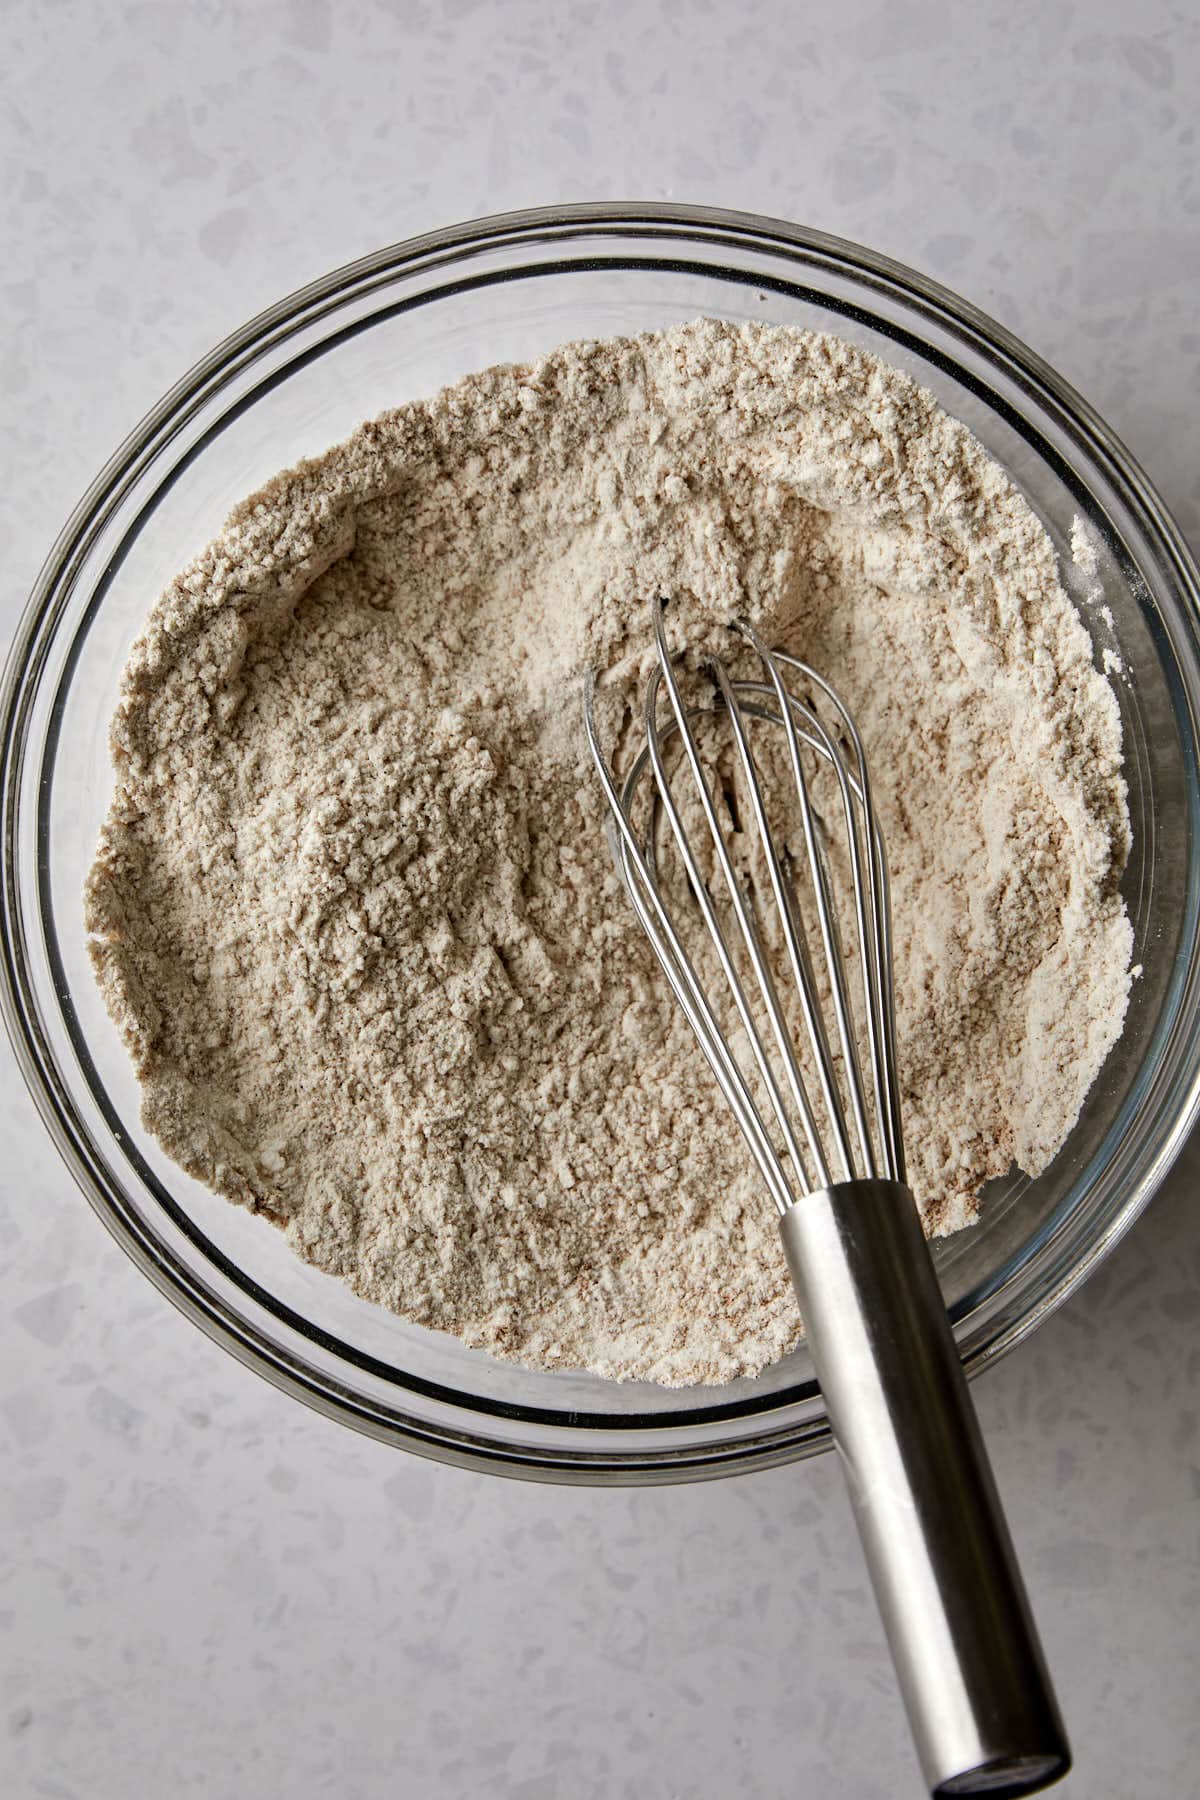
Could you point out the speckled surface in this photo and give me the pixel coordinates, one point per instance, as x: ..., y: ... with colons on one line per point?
x: 204, y: 1589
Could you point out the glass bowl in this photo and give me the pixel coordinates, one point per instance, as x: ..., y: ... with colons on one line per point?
x: 300, y: 377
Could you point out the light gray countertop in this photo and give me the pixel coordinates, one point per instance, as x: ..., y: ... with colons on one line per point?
x: 205, y: 1589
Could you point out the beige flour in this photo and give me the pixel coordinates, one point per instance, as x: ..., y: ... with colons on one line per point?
x: 353, y: 909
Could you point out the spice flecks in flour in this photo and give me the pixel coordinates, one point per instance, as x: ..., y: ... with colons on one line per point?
x: 353, y: 909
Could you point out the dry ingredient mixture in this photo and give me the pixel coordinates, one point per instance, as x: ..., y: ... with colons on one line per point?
x: 353, y: 908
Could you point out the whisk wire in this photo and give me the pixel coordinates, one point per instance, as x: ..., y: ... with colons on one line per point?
x: 638, y: 875
x: 742, y: 915
x: 872, y: 915
x: 825, y: 907
x: 798, y: 955
x: 841, y: 1136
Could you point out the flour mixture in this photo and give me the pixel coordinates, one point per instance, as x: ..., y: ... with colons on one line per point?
x: 353, y: 909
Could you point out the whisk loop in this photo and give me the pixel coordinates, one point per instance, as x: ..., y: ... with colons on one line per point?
x: 863, y: 1097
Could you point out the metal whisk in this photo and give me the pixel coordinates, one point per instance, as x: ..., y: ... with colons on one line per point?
x: 781, y: 896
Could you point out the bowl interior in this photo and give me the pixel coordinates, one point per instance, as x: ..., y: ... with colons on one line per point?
x: 300, y: 381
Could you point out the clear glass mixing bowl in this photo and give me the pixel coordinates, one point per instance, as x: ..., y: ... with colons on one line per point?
x: 396, y: 326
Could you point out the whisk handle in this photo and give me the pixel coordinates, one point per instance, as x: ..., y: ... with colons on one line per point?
x: 942, y: 1564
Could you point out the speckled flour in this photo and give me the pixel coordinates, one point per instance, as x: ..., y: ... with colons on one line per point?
x: 353, y: 910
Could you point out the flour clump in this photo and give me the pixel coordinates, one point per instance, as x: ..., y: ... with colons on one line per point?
x: 353, y: 909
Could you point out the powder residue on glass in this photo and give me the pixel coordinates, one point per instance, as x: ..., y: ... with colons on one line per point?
x: 353, y: 909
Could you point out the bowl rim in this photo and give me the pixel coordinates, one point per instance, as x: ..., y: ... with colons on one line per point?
x: 38, y: 624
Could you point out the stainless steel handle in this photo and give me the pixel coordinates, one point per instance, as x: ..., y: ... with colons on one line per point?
x: 962, y: 1637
